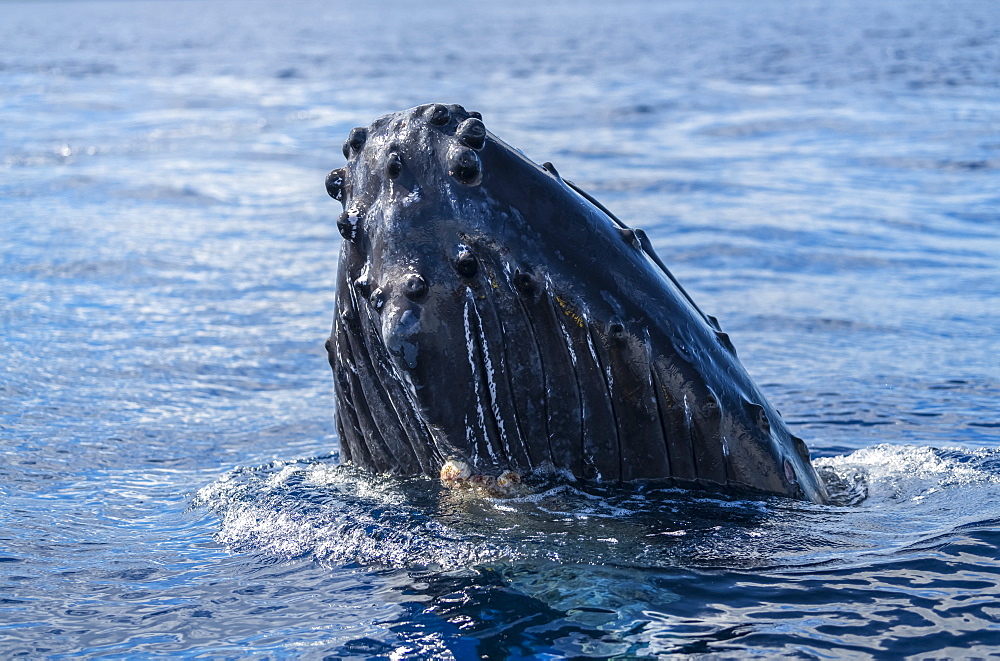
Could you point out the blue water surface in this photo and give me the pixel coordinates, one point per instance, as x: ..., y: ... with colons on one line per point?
x: 823, y: 177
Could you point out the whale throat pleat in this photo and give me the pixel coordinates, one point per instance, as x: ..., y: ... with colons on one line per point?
x: 512, y: 346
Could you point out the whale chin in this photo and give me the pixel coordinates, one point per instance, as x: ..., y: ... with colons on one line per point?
x: 493, y: 316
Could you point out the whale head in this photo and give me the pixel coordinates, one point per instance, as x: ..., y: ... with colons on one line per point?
x: 490, y: 313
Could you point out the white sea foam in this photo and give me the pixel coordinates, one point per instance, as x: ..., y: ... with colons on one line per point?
x: 887, y: 498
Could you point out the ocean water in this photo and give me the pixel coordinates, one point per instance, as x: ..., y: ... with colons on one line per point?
x: 823, y: 177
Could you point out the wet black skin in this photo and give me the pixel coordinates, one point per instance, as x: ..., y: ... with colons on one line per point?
x: 491, y: 312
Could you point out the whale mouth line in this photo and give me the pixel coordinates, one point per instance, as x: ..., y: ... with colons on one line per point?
x: 492, y: 312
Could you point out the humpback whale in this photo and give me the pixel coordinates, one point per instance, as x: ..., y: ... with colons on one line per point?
x: 492, y: 318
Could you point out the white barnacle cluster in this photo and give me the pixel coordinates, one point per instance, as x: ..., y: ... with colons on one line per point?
x: 456, y: 474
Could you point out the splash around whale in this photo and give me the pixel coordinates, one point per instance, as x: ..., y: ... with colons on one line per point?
x: 493, y: 319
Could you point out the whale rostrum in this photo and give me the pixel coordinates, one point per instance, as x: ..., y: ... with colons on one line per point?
x: 493, y: 318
